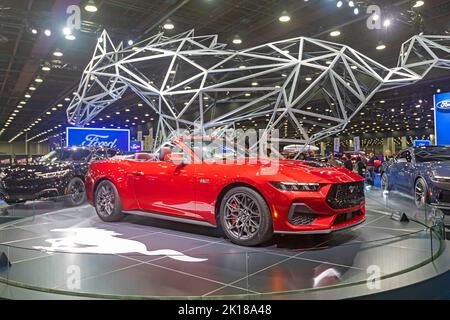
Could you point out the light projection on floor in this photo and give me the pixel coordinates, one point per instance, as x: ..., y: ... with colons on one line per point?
x: 101, y: 241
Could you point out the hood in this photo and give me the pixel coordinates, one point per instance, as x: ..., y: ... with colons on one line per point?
x: 38, y: 170
x: 316, y: 172
x: 441, y: 168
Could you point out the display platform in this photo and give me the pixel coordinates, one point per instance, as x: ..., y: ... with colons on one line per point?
x: 70, y: 253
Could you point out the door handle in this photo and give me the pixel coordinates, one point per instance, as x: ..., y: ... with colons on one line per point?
x: 137, y: 173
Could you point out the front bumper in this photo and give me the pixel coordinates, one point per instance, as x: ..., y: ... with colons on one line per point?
x: 325, y: 231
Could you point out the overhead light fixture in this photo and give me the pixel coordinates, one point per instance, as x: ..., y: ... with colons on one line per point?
x: 381, y: 46
x: 45, y: 68
x: 27, y: 96
x: 58, y: 53
x: 284, y: 17
x: 130, y: 42
x: 34, y: 31
x: 39, y: 80
x: 70, y: 37
x: 351, y: 4
x: 237, y: 40
x: 335, y: 33
x: 48, y: 32
x: 418, y: 4
x: 339, y: 4
x: 67, y: 31
x: 356, y: 11
x: 90, y: 6
x: 168, y: 25
x: 386, y: 23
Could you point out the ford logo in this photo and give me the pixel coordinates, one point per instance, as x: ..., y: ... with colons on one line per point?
x: 96, y: 140
x: 444, y: 105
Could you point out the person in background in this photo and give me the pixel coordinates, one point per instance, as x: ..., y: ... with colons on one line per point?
x: 380, y: 156
x: 348, y: 164
x: 332, y: 160
x: 360, y: 167
x: 370, y: 168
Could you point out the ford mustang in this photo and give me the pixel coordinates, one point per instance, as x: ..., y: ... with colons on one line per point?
x: 200, y: 180
x: 58, y: 173
x: 422, y: 173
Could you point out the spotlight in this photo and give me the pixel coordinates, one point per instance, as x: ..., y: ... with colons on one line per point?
x: 381, y: 46
x: 130, y: 42
x: 34, y: 31
x: 339, y: 4
x: 237, y: 40
x: 284, y: 17
x: 90, y: 6
x: 356, y: 11
x: 168, y: 25
x: 48, y: 32
x: 58, y: 53
x: 351, y: 4
x: 418, y: 4
x: 335, y: 33
x: 386, y: 23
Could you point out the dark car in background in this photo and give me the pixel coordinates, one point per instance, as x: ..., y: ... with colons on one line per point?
x: 422, y: 173
x: 58, y: 173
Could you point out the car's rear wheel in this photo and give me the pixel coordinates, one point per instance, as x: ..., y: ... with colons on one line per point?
x: 420, y: 193
x: 76, y: 192
x: 107, y: 202
x: 245, y: 217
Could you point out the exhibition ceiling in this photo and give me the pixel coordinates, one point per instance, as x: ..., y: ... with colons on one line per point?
x: 40, y: 67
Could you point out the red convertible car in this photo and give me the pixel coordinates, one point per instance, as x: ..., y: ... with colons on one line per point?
x: 190, y: 182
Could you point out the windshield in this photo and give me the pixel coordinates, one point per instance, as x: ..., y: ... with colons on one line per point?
x: 81, y: 155
x: 432, y: 154
x: 218, y: 149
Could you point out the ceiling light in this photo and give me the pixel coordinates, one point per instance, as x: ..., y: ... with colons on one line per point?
x: 130, y: 42
x: 45, y: 68
x: 386, y: 23
x: 351, y: 4
x: 58, y: 53
x: 67, y: 99
x: 66, y: 31
x: 70, y: 37
x: 356, y: 11
x: 39, y: 80
x: 254, y: 84
x: 381, y: 46
x: 27, y: 96
x: 339, y: 4
x: 32, y: 88
x: 237, y: 40
x: 335, y: 33
x: 308, y: 78
x: 48, y: 32
x: 284, y: 17
x: 34, y: 31
x: 168, y: 25
x: 418, y: 4
x: 90, y: 6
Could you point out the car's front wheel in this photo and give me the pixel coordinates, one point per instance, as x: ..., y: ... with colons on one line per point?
x: 245, y: 217
x: 76, y: 192
x: 107, y: 202
x: 420, y: 193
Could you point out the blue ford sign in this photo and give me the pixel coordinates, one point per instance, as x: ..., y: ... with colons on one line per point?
x: 422, y: 143
x: 442, y: 118
x: 97, y: 137
x: 136, y: 146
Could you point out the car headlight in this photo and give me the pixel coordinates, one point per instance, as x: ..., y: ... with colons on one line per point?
x: 441, y: 179
x: 296, y: 186
x: 55, y: 174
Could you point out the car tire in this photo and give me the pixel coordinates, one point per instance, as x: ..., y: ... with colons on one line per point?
x: 420, y: 193
x: 384, y: 182
x: 107, y: 202
x: 245, y: 217
x: 76, y: 192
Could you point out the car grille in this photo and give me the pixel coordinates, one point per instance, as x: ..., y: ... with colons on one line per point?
x: 346, y: 195
x: 302, y: 219
x: 444, y: 196
x: 345, y: 217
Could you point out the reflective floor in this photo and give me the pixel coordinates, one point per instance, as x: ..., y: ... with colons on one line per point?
x: 71, y: 251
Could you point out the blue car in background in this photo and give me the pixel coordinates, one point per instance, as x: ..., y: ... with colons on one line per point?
x: 422, y: 173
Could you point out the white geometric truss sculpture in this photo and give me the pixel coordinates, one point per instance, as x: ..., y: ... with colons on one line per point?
x: 192, y: 82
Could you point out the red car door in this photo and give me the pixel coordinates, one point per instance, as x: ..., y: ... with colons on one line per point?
x: 166, y: 186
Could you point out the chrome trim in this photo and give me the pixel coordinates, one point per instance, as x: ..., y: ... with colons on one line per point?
x: 163, y: 216
x: 326, y: 231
